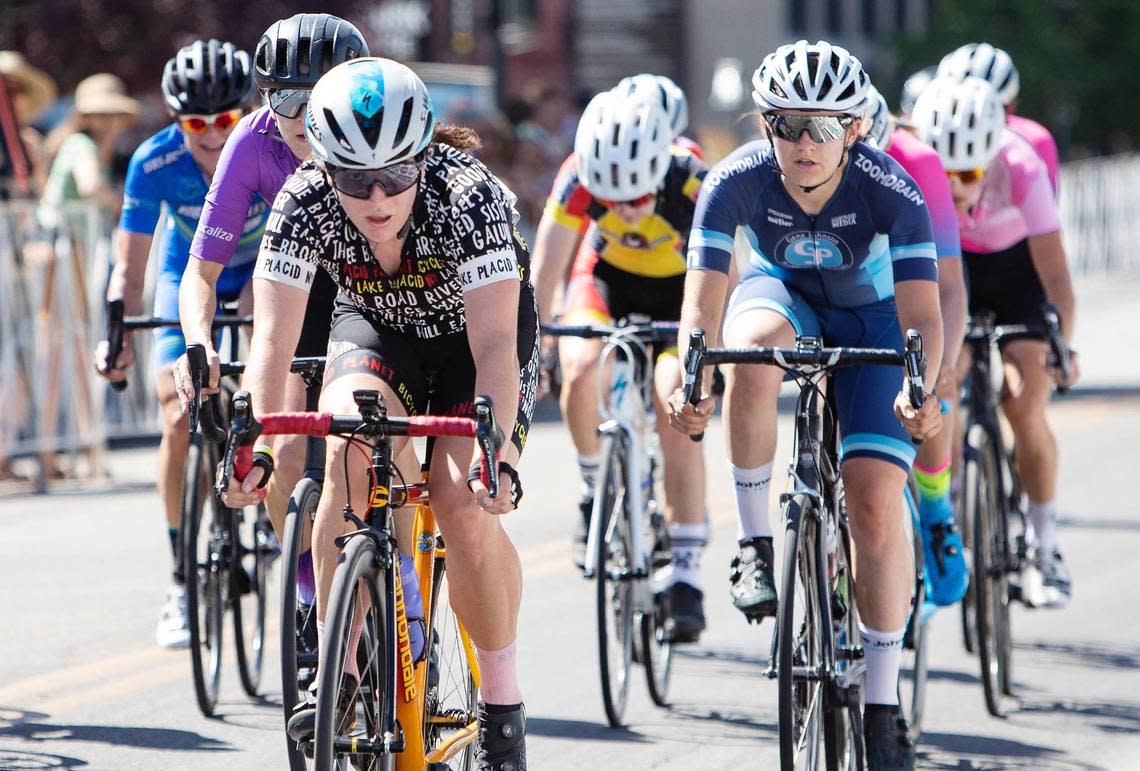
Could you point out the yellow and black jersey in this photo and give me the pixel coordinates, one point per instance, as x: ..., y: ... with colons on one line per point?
x: 654, y: 247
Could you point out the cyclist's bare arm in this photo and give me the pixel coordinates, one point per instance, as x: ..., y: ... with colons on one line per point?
x: 917, y: 306
x: 554, y: 247
x: 197, y: 300
x: 703, y: 308
x: 1048, y: 254
x: 126, y: 283
x: 952, y: 299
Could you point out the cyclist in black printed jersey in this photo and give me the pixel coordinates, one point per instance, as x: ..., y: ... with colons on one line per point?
x: 435, y: 306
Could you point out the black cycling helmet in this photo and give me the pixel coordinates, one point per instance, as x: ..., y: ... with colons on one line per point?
x: 295, y: 52
x: 207, y: 77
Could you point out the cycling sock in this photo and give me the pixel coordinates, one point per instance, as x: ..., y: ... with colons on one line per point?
x: 350, y: 665
x: 588, y: 468
x: 933, y: 483
x: 752, y: 501
x: 881, y: 651
x: 688, y: 543
x: 306, y: 580
x: 172, y: 533
x: 1043, y: 517
x: 500, y: 682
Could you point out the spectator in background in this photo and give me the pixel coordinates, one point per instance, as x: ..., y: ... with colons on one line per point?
x: 31, y: 91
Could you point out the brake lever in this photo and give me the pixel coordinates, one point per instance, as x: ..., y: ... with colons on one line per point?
x: 694, y: 363
x: 487, y: 437
x: 210, y: 421
x: 114, y: 340
x: 238, y: 455
x: 1057, y: 343
x: 914, y: 361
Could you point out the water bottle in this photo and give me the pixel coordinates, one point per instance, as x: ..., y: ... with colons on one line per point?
x: 413, y: 606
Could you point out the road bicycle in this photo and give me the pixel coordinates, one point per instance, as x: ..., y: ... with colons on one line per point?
x: 627, y: 541
x: 815, y: 656
x: 406, y: 711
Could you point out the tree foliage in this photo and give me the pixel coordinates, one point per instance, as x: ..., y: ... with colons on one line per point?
x: 1076, y: 59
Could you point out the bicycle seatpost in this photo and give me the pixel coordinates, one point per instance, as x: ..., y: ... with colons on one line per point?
x: 694, y: 363
x: 114, y: 339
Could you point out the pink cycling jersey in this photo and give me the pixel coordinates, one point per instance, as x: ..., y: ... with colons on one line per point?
x: 1016, y: 201
x: 922, y: 163
x: 1038, y: 136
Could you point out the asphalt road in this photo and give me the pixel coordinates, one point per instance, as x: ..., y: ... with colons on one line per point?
x: 82, y: 685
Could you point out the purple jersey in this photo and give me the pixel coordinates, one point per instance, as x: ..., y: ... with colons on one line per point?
x: 255, y: 160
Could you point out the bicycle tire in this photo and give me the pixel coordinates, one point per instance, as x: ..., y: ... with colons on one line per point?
x: 298, y: 623
x: 965, y: 518
x: 451, y: 697
x: 373, y: 700
x: 980, y: 485
x: 205, y: 580
x: 914, y: 663
x: 614, y: 589
x: 253, y: 543
x: 799, y: 700
x: 843, y: 710
x: 656, y: 649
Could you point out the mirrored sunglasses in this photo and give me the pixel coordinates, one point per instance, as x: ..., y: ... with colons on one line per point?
x: 289, y: 102
x: 821, y: 128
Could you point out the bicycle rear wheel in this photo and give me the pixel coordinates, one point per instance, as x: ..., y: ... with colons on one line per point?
x: 352, y: 713
x: 913, y: 663
x: 255, y: 550
x: 451, y: 695
x: 298, y: 620
x: 656, y: 649
x: 981, y: 486
x: 614, y: 580
x: 799, y: 652
x: 205, y: 535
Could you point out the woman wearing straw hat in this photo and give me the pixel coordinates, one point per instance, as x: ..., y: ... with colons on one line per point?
x: 31, y: 91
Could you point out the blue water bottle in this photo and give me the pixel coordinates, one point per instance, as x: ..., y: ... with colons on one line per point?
x: 413, y: 605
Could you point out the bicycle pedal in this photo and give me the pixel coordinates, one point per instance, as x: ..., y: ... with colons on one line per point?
x: 849, y: 653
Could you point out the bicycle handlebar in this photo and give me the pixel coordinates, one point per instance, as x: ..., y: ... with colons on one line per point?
x: 648, y: 331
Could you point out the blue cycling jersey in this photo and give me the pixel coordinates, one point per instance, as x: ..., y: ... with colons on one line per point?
x: 162, y: 171
x: 873, y: 231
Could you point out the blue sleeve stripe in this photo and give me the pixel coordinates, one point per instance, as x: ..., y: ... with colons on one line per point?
x: 706, y: 259
x: 882, y: 444
x: 915, y: 270
x: 913, y: 251
x: 711, y: 239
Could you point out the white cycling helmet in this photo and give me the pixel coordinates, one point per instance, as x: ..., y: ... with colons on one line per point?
x: 982, y: 60
x: 815, y: 76
x: 963, y: 121
x: 913, y: 88
x: 368, y: 113
x: 622, y: 147
x: 660, y: 89
x: 877, y: 124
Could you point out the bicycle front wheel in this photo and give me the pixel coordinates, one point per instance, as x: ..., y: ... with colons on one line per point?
x: 204, y: 542
x: 656, y: 649
x: 799, y: 652
x: 913, y: 662
x: 255, y: 550
x: 614, y: 579
x: 298, y: 619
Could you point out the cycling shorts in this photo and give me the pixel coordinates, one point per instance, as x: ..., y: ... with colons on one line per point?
x: 864, y: 395
x: 1006, y: 284
x: 169, y: 343
x: 434, y: 376
x: 599, y: 293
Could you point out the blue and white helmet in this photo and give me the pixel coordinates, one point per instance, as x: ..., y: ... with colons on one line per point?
x: 982, y: 60
x: 810, y: 76
x: 368, y: 113
x: 913, y: 88
x: 877, y: 120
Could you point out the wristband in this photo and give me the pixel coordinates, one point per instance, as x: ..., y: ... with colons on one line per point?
x: 264, y: 458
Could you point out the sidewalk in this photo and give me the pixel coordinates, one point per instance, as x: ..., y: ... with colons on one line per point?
x: 1108, y: 309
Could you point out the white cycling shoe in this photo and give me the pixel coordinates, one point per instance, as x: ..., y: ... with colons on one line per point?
x: 173, y: 630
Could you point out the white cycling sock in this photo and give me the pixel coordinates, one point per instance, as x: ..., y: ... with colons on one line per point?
x: 881, y: 651
x: 688, y: 544
x: 588, y: 468
x: 751, y: 486
x: 1043, y: 518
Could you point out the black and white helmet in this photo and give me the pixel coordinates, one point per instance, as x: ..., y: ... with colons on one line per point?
x: 810, y: 76
x: 963, y: 121
x: 296, y: 52
x: 662, y: 90
x: 877, y: 121
x: 622, y: 147
x: 207, y: 77
x: 982, y: 60
x: 368, y: 113
x: 913, y: 88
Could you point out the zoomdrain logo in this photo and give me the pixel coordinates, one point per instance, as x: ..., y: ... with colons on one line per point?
x: 404, y: 642
x: 803, y: 249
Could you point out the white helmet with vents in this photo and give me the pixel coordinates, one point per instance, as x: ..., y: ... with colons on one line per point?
x: 963, y: 121
x: 368, y: 113
x: 810, y: 76
x: 982, y: 60
x: 622, y: 147
x: 660, y: 89
x: 877, y: 123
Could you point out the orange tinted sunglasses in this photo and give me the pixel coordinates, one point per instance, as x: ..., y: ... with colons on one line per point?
x: 967, y: 176
x: 222, y: 121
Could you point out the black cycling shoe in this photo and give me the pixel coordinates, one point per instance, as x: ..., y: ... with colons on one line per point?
x: 888, y: 746
x: 502, y: 738
x: 302, y: 725
x: 581, y: 530
x: 686, y: 619
x: 753, y: 583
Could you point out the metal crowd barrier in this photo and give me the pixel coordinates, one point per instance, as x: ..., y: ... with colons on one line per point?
x: 1100, y: 198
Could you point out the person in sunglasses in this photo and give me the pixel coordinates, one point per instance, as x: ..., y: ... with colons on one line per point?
x: 947, y: 574
x: 1015, y: 262
x: 262, y: 152
x: 435, y: 306
x: 842, y: 249
x: 206, y: 87
x: 631, y: 191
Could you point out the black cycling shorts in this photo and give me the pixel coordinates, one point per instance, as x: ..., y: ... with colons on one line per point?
x: 600, y: 293
x: 1006, y: 284
x: 433, y: 376
x: 318, y: 316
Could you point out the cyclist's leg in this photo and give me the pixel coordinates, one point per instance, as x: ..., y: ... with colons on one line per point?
x: 761, y: 312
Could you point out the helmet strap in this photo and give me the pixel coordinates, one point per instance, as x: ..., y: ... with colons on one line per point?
x: 407, y: 228
x: 813, y: 188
